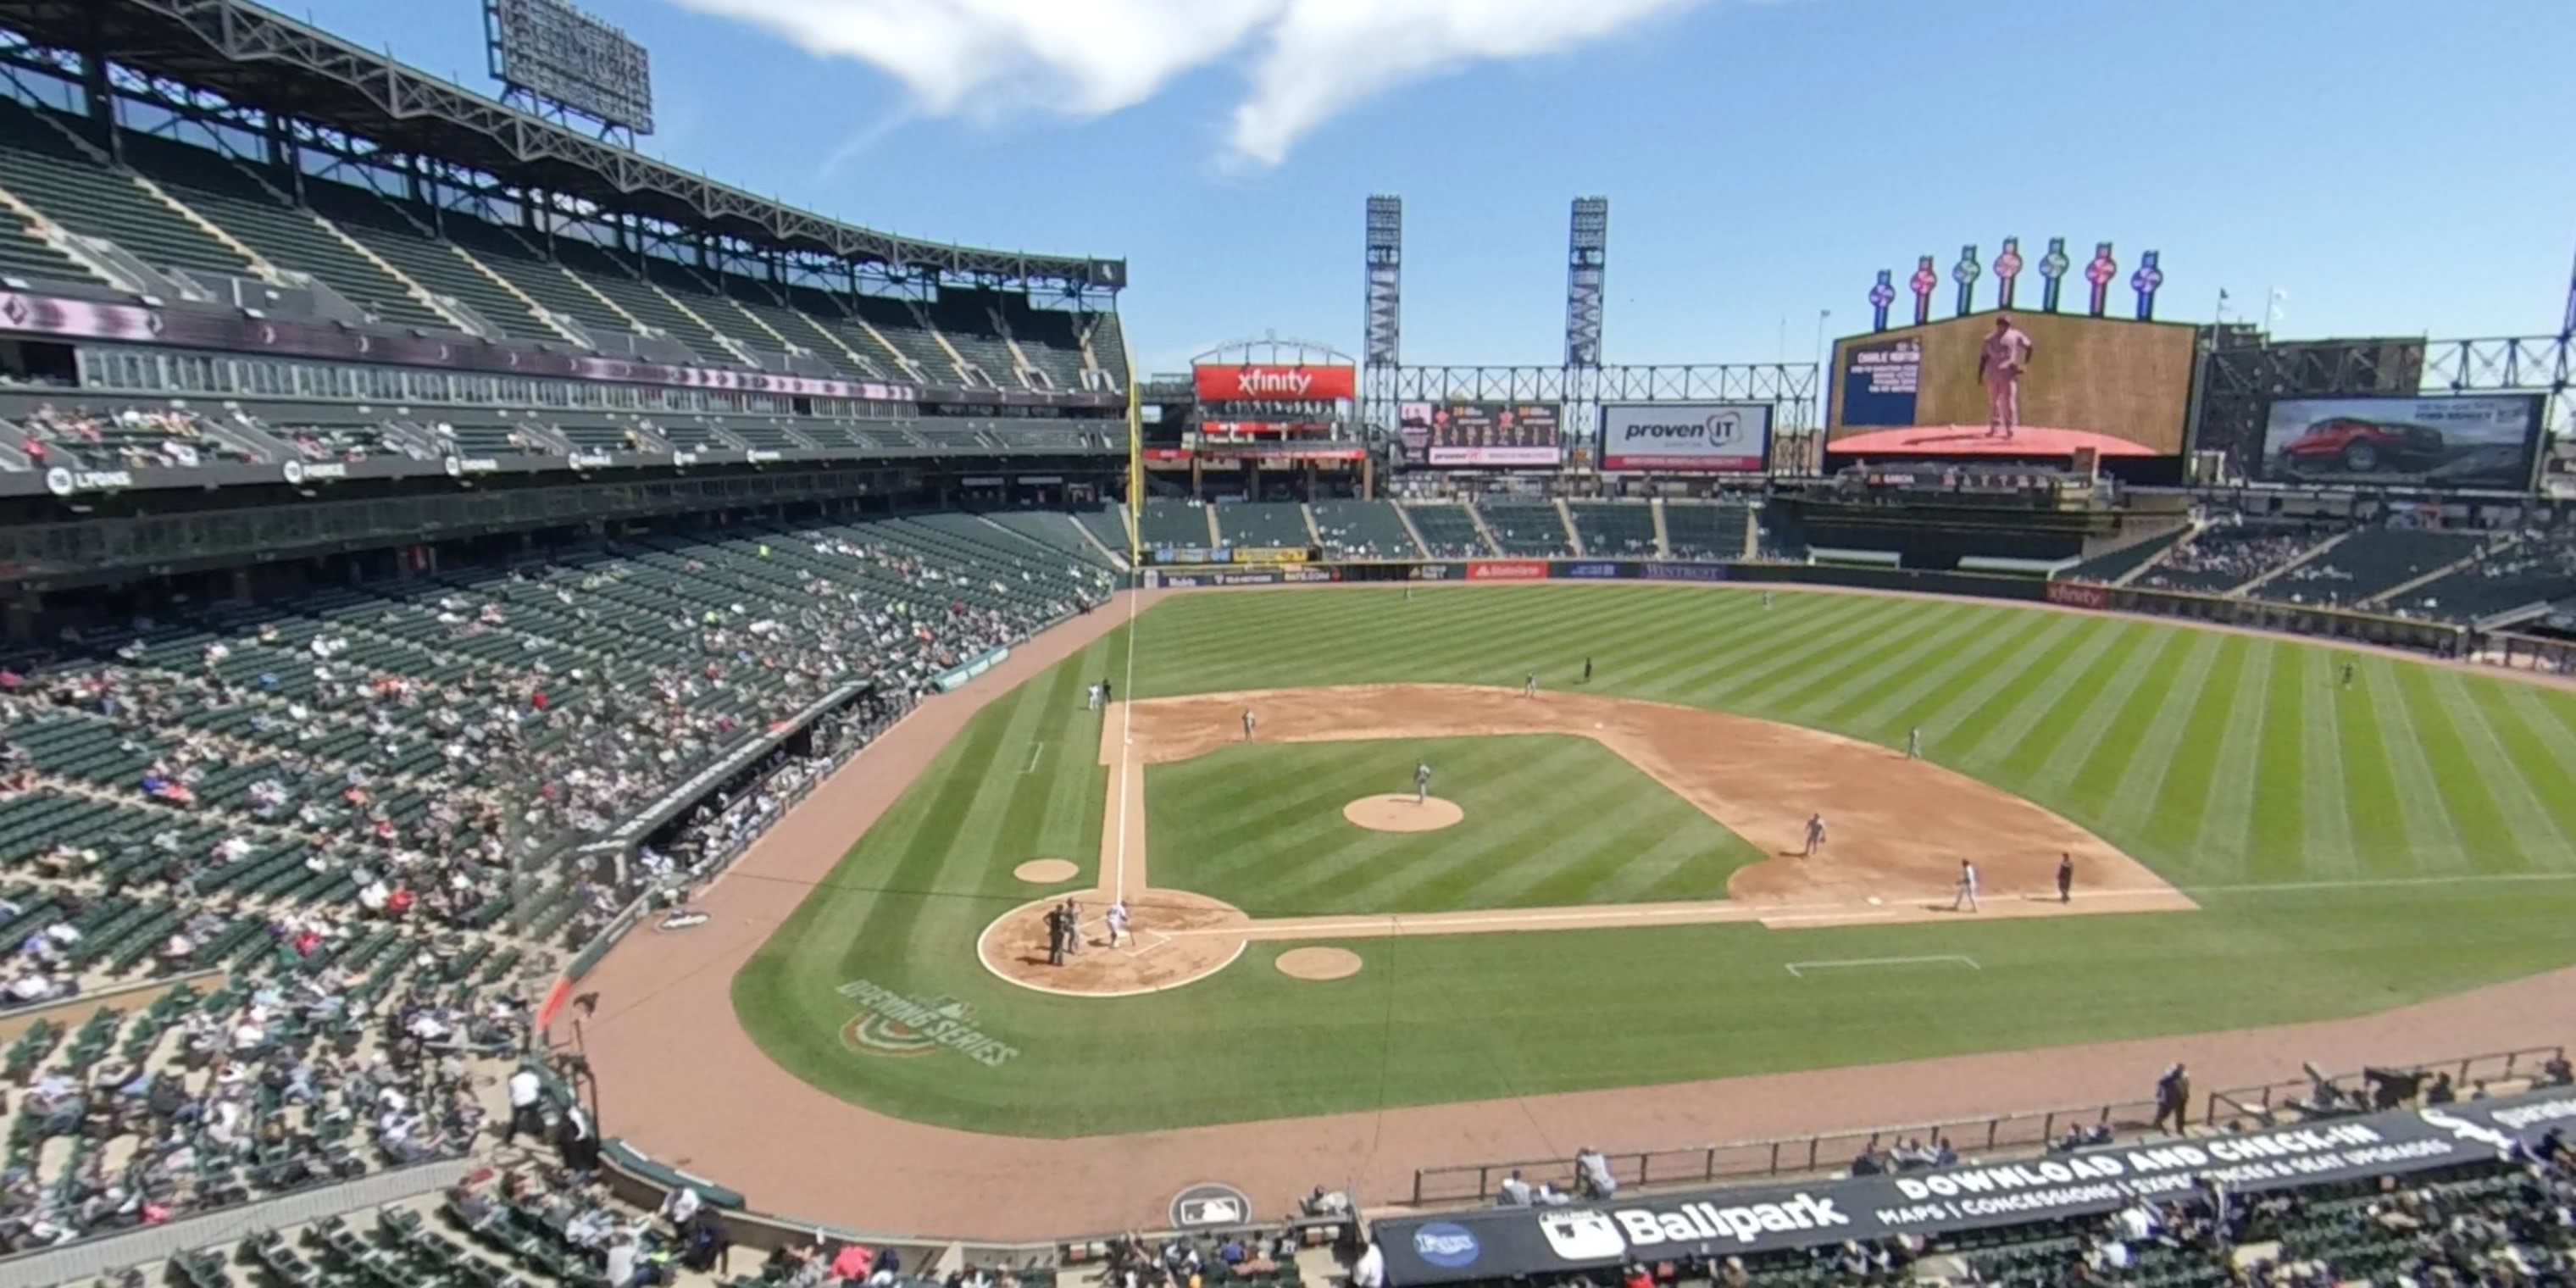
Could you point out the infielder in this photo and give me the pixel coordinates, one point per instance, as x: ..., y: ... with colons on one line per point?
x: 1815, y: 836
x: 1967, y: 895
x: 1247, y: 724
x: 1913, y: 742
x: 1094, y: 691
x: 1116, y: 918
x: 1421, y: 781
x: 2065, y: 877
x: 1529, y: 685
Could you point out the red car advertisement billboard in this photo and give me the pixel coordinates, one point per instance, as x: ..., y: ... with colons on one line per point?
x: 1275, y: 384
x: 2444, y: 440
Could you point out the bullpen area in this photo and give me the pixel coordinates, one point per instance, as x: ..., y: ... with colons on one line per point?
x: 1599, y: 921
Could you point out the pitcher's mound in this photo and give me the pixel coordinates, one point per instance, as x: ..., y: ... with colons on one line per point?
x: 1046, y: 871
x: 1401, y: 813
x: 1319, y: 963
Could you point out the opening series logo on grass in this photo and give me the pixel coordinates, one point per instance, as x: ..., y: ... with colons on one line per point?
x: 890, y: 1023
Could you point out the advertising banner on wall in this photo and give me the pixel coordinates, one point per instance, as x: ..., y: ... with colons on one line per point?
x: 1506, y: 1243
x: 1275, y: 384
x: 1481, y: 433
x: 2452, y: 440
x: 1686, y: 438
x: 1507, y: 570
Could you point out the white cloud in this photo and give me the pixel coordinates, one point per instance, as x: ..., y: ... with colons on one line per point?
x: 1308, y: 59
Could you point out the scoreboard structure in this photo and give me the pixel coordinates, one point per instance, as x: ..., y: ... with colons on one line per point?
x: 555, y: 60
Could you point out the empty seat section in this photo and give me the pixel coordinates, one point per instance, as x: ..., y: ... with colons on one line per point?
x: 1615, y: 529
x: 402, y: 241
x: 1363, y: 530
x: 1529, y: 529
x: 231, y: 198
x: 47, y: 171
x: 1448, y: 530
x: 1701, y: 530
x: 539, y: 278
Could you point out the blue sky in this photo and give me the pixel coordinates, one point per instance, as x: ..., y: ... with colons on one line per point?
x: 2393, y: 167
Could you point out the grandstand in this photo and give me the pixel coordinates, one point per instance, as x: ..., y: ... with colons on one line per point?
x: 1275, y: 524
x: 1709, y: 530
x: 1615, y: 530
x: 2523, y: 573
x: 2222, y: 557
x: 2372, y: 562
x: 2127, y: 559
x: 1176, y: 523
x: 1523, y: 528
x: 1363, y: 530
x: 1448, y: 531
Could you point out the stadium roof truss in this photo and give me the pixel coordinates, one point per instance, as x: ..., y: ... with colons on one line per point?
x: 240, y: 63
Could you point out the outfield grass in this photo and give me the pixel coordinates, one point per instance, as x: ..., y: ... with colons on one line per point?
x: 2352, y: 849
x: 1552, y: 821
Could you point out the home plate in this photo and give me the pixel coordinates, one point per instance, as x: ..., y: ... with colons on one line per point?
x: 1875, y: 900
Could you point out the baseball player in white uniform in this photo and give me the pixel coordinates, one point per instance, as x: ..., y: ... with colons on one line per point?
x: 1913, y: 742
x: 1421, y: 782
x: 1967, y: 896
x: 1094, y: 691
x: 1247, y: 724
x: 1815, y: 836
x: 1116, y: 918
x: 1529, y: 685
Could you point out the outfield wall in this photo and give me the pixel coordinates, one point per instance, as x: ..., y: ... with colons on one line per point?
x: 2439, y: 638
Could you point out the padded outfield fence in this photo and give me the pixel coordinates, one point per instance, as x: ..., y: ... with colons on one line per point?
x: 1785, y: 1157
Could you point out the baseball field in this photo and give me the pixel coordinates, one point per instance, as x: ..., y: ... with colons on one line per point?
x: 1604, y: 887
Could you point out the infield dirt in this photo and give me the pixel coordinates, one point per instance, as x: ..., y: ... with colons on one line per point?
x: 1897, y: 830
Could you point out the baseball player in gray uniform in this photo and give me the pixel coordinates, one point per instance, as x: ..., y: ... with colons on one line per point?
x: 1421, y: 782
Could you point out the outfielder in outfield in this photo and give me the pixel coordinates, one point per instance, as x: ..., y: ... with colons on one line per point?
x: 1421, y: 781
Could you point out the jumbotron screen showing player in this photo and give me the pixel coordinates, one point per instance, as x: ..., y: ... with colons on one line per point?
x: 2013, y: 384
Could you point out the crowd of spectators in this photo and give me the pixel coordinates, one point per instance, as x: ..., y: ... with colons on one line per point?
x: 2225, y: 556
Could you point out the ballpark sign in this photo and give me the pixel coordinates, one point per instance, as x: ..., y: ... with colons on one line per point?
x: 1688, y: 438
x: 892, y: 1024
x: 1275, y: 384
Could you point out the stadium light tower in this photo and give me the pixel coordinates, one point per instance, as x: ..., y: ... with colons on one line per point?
x: 1587, y: 263
x: 1587, y: 257
x: 1383, y: 351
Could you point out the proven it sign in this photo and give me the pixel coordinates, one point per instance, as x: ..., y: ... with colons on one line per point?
x: 1275, y: 384
x: 1686, y: 438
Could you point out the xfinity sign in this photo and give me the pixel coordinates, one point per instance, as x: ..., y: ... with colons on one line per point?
x: 1274, y: 383
x: 1686, y: 438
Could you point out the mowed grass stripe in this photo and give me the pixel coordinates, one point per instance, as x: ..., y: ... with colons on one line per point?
x: 1925, y: 689
x: 2274, y: 846
x: 1713, y: 681
x: 1881, y: 680
x: 1543, y: 832
x: 1883, y: 635
x: 2378, y: 824
x: 2219, y: 825
x: 2047, y: 714
x: 1895, y: 650
x: 2468, y: 770
x: 2327, y: 821
x: 2107, y: 727
x: 2121, y: 779
x: 1948, y: 709
x: 2421, y: 813
x: 1988, y: 705
x: 2544, y: 751
x: 2163, y: 813
x: 2485, y: 725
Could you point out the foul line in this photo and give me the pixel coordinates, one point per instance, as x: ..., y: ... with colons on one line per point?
x: 1838, y: 963
x: 1126, y: 743
x: 1033, y: 760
